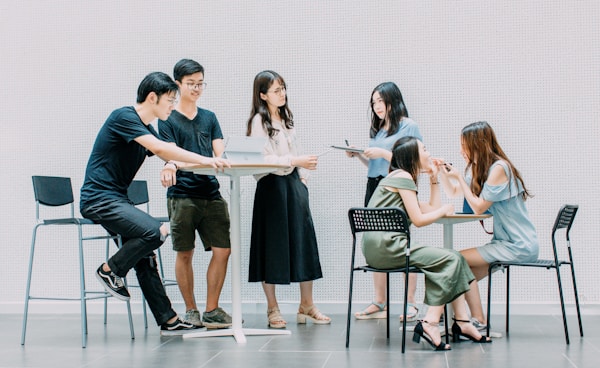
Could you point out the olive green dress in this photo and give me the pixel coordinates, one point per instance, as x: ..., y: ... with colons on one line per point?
x: 447, y: 274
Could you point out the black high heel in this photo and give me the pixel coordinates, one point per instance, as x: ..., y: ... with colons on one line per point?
x: 420, y: 332
x: 457, y: 333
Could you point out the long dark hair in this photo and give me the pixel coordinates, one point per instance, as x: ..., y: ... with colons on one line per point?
x: 405, y: 156
x: 482, y: 149
x: 396, y: 109
x: 262, y: 82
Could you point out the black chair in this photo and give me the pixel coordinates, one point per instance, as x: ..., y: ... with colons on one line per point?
x: 56, y: 192
x: 138, y: 194
x: 390, y: 219
x: 564, y: 220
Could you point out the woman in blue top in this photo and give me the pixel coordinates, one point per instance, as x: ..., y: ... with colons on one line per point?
x: 493, y: 184
x: 389, y: 122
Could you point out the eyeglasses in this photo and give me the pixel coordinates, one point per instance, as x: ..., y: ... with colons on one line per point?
x: 173, y: 101
x: 198, y: 86
x: 279, y: 91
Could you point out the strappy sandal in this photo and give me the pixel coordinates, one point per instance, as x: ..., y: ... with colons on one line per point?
x: 381, y: 312
x: 412, y: 312
x: 457, y: 332
x: 275, y: 318
x: 313, y: 314
x: 420, y: 333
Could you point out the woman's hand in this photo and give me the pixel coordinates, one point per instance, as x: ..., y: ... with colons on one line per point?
x: 352, y: 154
x: 448, y: 209
x: 376, y: 152
x: 449, y: 171
x: 308, y: 162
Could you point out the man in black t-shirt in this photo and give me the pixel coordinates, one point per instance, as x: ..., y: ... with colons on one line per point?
x: 122, y: 144
x: 194, y: 201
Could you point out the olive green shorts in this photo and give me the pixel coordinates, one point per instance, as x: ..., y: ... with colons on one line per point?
x: 210, y: 218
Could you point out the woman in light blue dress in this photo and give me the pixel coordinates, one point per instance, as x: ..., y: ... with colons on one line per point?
x: 493, y: 184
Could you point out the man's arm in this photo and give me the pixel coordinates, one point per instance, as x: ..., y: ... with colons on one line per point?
x: 169, y: 151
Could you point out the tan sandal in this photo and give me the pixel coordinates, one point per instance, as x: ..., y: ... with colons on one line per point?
x: 313, y: 314
x: 275, y: 318
x: 372, y: 311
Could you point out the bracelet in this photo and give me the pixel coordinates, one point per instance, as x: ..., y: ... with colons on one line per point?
x: 172, y: 163
x: 436, y: 183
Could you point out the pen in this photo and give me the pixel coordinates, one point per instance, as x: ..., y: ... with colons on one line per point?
x: 347, y: 144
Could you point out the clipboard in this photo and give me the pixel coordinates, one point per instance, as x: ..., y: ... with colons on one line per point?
x: 349, y: 149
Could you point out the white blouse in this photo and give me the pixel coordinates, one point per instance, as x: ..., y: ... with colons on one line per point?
x: 279, y: 149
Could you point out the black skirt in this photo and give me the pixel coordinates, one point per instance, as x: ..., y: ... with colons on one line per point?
x: 283, y: 244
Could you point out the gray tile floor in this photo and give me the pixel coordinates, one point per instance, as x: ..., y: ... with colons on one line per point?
x: 54, y: 341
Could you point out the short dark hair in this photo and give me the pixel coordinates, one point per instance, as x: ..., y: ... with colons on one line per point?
x: 186, y: 67
x: 157, y: 82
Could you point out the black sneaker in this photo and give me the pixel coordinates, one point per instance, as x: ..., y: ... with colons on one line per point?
x: 113, y: 284
x: 178, y: 327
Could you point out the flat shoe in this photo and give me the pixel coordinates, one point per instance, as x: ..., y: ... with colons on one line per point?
x: 412, y: 312
x: 378, y: 314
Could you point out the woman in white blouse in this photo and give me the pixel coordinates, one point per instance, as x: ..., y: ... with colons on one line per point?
x: 283, y: 246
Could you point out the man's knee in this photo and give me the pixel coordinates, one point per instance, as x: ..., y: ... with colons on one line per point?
x: 185, y: 256
x: 154, y: 236
x: 221, y: 254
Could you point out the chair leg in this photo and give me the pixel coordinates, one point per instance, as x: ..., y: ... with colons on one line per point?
x: 562, y: 303
x: 106, y: 254
x: 28, y: 287
x: 144, y: 311
x: 130, y: 320
x: 349, y: 307
x: 489, y: 300
x: 576, y: 297
x: 82, y: 290
x: 507, y: 299
x: 387, y: 299
x: 446, y: 317
x: 405, y: 310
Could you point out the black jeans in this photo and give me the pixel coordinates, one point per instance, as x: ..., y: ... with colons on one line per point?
x: 371, y: 186
x: 140, y: 234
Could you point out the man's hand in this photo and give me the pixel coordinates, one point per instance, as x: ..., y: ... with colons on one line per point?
x: 168, y: 175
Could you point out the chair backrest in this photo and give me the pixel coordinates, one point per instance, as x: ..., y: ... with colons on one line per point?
x: 379, y: 219
x: 52, y: 190
x: 564, y: 219
x: 138, y: 192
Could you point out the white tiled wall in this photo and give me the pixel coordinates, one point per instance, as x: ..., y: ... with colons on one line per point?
x: 529, y: 68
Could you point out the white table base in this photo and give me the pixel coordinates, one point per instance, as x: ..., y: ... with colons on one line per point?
x: 236, y: 329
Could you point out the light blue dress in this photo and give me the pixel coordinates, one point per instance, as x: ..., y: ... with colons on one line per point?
x: 515, y: 237
x: 380, y: 166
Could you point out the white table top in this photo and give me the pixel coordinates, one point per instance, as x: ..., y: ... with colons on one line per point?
x: 457, y: 218
x: 235, y: 169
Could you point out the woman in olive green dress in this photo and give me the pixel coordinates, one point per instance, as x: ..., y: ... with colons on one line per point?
x: 447, y: 274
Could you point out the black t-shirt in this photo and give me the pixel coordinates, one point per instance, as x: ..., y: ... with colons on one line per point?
x: 115, y: 157
x: 197, y: 136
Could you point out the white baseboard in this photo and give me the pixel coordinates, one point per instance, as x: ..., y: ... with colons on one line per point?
x: 116, y: 306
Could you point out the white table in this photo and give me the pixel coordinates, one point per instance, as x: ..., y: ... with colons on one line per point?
x: 449, y: 221
x: 234, y: 173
